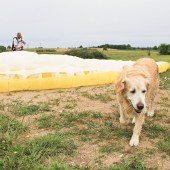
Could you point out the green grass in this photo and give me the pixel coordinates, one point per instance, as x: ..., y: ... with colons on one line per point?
x: 10, y: 127
x: 101, y: 97
x: 134, y: 163
x: 70, y: 105
x: 46, y: 121
x: 135, y: 54
x: 56, y: 102
x: 165, y: 80
x: 46, y: 50
x: 86, y: 120
x: 164, y: 144
x: 34, y: 154
x: 161, y: 114
x: 111, y: 148
x: 154, y: 131
x: 2, y: 106
x: 109, y: 131
x: 22, y: 109
x: 67, y: 119
x: 58, y: 165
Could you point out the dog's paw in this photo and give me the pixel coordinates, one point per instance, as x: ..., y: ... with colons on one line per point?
x: 134, y: 141
x: 150, y: 113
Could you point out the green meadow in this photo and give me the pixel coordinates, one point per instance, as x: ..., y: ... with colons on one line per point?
x: 135, y: 54
x: 113, y: 53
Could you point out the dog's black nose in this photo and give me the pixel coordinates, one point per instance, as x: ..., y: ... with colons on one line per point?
x: 140, y: 106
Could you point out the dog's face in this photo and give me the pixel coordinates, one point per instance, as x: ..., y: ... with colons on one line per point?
x: 134, y: 90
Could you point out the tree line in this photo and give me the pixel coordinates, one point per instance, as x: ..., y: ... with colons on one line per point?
x: 125, y: 47
x: 164, y: 49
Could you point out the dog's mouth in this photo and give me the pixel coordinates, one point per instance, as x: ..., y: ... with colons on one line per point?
x: 136, y: 110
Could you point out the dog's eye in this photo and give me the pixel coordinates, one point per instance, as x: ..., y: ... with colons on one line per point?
x: 133, y: 91
x: 143, y: 91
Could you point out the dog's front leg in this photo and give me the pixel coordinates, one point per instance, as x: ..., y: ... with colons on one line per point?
x: 139, y: 120
x: 122, y: 118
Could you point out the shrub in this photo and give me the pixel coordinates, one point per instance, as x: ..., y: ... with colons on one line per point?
x: 164, y: 49
x: 155, y: 48
x: 104, y: 48
x: 2, y: 48
x: 86, y: 53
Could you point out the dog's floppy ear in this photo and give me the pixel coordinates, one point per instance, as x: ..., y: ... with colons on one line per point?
x: 120, y: 84
x: 148, y: 83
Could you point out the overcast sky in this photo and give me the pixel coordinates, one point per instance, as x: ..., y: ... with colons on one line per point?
x: 71, y: 23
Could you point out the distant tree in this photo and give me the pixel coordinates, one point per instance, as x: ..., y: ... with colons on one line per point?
x: 164, y: 49
x: 9, y: 46
x: 155, y: 48
x: 80, y: 46
x: 2, y: 48
x: 128, y: 46
x: 104, y: 48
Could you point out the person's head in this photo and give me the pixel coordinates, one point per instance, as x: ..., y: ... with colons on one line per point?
x: 19, y: 35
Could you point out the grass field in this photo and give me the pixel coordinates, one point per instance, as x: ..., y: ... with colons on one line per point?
x: 78, y: 129
x: 135, y: 54
x: 122, y: 54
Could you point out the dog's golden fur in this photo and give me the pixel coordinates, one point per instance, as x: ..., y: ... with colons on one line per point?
x: 136, y: 89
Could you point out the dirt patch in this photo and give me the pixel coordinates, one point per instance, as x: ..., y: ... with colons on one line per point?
x: 86, y: 156
x: 84, y: 99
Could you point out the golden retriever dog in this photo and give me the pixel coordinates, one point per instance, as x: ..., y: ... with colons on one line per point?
x: 136, y: 88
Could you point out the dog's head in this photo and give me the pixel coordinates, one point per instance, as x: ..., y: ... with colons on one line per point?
x: 133, y: 89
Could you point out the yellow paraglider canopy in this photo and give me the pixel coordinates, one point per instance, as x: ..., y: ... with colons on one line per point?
x: 29, y: 71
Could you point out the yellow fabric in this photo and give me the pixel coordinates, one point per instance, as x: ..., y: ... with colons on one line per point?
x: 28, y: 71
x: 48, y: 81
x: 164, y: 67
x: 7, y: 85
